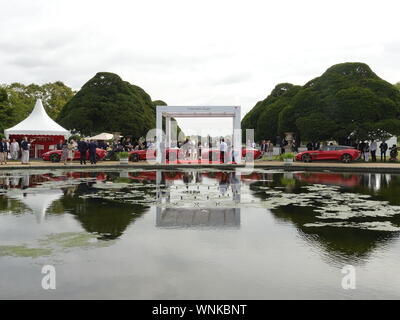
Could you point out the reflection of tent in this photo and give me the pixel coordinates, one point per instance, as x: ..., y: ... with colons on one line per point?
x: 39, y: 126
x: 40, y: 202
x: 103, y: 136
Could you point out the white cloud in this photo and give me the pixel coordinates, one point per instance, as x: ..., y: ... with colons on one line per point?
x: 190, y: 52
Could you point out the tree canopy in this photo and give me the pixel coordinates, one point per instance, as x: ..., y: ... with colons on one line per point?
x: 17, y: 100
x: 347, y: 101
x: 106, y: 103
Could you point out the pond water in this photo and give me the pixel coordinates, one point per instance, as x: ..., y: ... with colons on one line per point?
x: 199, y: 234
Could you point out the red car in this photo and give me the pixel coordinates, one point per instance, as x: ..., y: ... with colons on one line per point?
x: 339, y: 153
x: 137, y: 155
x: 55, y: 155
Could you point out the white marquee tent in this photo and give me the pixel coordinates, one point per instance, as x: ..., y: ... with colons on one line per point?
x: 39, y: 126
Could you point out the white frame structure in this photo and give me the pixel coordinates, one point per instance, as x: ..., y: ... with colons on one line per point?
x: 198, y: 112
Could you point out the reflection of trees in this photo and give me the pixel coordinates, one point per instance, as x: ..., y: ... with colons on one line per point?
x: 15, y: 206
x: 105, y: 217
x: 342, y: 244
x: 274, y: 180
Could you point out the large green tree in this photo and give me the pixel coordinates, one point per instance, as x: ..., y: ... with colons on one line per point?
x: 348, y: 100
x: 106, y: 103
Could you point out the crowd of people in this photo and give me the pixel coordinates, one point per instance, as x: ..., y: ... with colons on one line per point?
x: 190, y: 149
x: 267, y: 147
x: 193, y: 149
x: 84, y: 146
x: 12, y: 150
x: 368, y: 149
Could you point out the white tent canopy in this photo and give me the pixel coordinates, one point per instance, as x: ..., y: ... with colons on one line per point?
x: 37, y: 123
x: 102, y: 136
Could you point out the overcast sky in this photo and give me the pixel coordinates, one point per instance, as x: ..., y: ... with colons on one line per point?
x: 196, y: 52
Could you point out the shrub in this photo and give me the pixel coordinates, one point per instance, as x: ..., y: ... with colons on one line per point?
x: 286, y: 155
x: 122, y: 155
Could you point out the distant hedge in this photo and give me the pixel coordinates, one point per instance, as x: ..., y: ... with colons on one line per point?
x: 346, y: 101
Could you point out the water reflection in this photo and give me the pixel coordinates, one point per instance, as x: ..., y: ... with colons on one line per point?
x: 106, y: 203
x: 345, y: 240
x: 198, y: 218
x: 228, y: 184
x: 39, y: 203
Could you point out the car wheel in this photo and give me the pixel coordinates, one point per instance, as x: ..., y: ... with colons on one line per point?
x: 135, y: 157
x: 346, y: 158
x: 306, y: 157
x: 55, y: 157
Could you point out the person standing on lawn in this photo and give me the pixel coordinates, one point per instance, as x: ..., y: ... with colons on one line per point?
x: 60, y: 144
x: 64, y: 152
x: 383, y: 146
x: 83, y: 148
x: 92, y: 151
x: 14, y: 150
x: 270, y: 150
x: 263, y: 147
x: 71, y: 150
x: 25, y: 146
x: 223, y: 148
x: 3, y: 151
x: 373, y: 147
x: 366, y: 151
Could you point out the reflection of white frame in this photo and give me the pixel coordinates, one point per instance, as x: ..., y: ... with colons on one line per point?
x: 198, y: 112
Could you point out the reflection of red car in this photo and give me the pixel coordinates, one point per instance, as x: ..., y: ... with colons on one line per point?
x: 55, y: 155
x: 152, y: 175
x: 173, y: 154
x: 337, y: 179
x: 340, y: 153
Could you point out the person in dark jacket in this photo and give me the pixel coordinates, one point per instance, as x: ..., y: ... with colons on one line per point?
x: 263, y: 147
x: 92, y: 151
x: 60, y: 145
x: 25, y: 146
x: 384, y: 147
x: 83, y: 148
x: 3, y: 151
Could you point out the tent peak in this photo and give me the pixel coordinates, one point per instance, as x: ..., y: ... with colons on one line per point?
x: 37, y: 123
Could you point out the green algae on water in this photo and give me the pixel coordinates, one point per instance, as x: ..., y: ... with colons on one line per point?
x: 23, y: 251
x: 67, y: 240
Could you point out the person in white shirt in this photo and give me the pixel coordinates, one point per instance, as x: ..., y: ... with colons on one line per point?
x: 222, y: 148
x: 14, y: 149
x: 373, y: 147
x: 366, y: 151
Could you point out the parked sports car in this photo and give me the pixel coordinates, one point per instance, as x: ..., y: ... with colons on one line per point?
x: 172, y: 153
x: 340, y: 153
x: 55, y: 155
